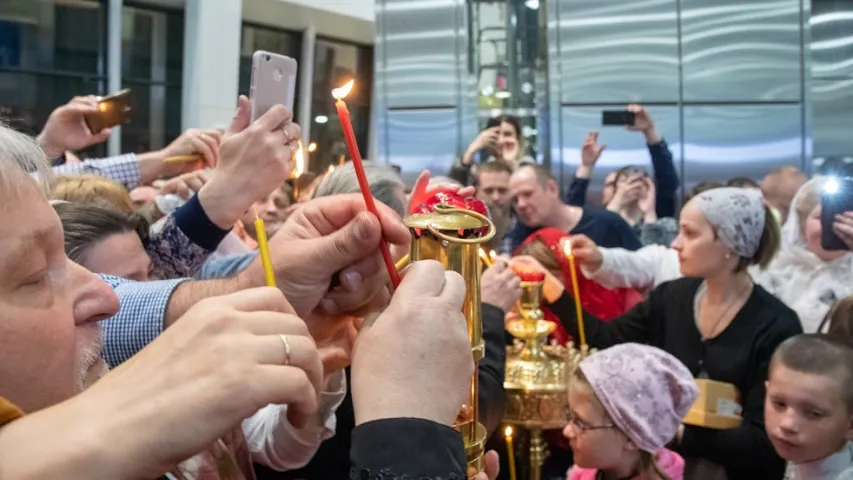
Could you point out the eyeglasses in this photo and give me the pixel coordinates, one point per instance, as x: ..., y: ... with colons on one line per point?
x: 582, y: 426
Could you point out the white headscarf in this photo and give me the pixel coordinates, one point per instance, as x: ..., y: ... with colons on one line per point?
x: 737, y: 215
x: 798, y: 277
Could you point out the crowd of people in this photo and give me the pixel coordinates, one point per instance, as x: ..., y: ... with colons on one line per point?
x: 138, y: 340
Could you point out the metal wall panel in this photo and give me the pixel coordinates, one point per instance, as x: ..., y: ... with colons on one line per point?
x: 618, y: 50
x: 735, y: 50
x: 420, y: 48
x: 624, y: 147
x: 724, y: 142
x: 832, y: 102
x: 422, y: 139
x: 831, y: 26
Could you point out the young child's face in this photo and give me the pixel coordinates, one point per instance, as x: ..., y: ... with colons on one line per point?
x: 805, y: 415
x: 596, y: 442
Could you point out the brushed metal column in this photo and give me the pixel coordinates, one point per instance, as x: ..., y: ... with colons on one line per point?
x: 114, y: 14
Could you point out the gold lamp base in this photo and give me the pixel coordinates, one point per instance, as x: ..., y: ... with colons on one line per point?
x: 475, y: 450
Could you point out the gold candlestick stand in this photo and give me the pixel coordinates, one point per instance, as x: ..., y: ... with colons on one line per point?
x: 537, y: 374
x: 453, y: 237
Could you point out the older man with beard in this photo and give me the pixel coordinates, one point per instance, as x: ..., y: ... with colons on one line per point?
x: 177, y: 396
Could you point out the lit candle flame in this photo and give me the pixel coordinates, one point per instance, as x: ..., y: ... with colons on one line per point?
x: 340, y: 93
x: 508, y: 431
x: 493, y: 255
x: 567, y: 247
x: 299, y: 162
x: 312, y: 147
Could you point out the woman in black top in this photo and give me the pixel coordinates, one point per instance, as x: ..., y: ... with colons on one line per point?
x: 716, y: 321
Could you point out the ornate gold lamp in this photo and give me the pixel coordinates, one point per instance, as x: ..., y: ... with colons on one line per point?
x: 453, y: 237
x: 537, y: 373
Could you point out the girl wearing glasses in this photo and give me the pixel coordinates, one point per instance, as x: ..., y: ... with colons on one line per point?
x: 627, y: 403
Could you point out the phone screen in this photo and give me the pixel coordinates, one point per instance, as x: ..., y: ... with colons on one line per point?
x: 835, y: 199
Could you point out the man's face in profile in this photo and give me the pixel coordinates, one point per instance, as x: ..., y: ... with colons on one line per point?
x: 49, y: 340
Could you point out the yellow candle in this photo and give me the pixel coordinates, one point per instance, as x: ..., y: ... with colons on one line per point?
x: 509, y: 452
x: 401, y: 263
x: 567, y: 247
x: 486, y: 259
x: 264, y: 248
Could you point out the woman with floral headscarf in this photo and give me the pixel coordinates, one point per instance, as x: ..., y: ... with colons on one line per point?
x: 806, y: 277
x: 717, y: 322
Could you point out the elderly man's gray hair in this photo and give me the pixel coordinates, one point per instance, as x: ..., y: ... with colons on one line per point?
x: 385, y: 184
x: 20, y: 155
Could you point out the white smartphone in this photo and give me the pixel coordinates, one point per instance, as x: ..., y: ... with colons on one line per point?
x: 273, y: 82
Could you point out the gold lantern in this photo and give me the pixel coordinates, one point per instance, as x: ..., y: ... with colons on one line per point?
x: 537, y: 374
x: 453, y: 237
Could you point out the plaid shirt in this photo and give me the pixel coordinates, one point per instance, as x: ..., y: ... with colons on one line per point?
x: 142, y: 311
x: 123, y: 169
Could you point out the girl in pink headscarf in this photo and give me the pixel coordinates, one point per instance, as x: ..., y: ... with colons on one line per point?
x: 626, y: 403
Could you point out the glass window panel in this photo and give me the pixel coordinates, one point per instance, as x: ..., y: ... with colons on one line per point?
x: 46, y: 35
x: 270, y: 40
x: 335, y: 64
x: 28, y: 100
x: 152, y: 67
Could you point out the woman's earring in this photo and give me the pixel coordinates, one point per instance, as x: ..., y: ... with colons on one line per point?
x: 728, y: 256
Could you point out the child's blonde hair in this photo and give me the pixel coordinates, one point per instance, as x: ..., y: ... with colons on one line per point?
x: 648, y: 468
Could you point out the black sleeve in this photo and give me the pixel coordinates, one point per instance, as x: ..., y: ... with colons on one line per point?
x: 746, y: 447
x: 402, y: 448
x: 196, y: 225
x: 626, y: 235
x: 491, y: 369
x: 577, y: 192
x: 666, y: 179
x: 636, y: 325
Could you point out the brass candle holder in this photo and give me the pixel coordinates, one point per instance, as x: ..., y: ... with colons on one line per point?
x: 453, y: 237
x: 537, y: 374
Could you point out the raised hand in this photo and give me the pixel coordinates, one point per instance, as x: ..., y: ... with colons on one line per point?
x: 254, y: 160
x: 66, y: 127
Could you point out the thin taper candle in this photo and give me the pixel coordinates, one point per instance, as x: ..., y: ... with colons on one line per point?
x: 352, y: 146
x: 567, y: 248
x: 510, y: 454
x: 264, y: 248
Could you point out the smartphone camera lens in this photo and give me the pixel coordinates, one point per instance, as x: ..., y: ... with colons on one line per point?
x: 266, y: 58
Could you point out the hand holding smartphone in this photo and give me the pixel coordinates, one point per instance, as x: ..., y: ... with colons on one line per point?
x: 835, y: 199
x: 273, y: 82
x: 114, y: 109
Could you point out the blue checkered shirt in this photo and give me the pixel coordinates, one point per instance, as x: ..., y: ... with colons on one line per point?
x: 140, y: 318
x: 123, y: 169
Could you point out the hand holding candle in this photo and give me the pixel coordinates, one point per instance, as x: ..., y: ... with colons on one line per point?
x: 567, y: 249
x: 352, y: 146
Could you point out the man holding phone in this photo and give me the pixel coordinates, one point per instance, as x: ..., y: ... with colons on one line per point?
x: 665, y: 176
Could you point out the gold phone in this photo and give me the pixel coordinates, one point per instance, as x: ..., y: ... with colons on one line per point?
x: 114, y: 109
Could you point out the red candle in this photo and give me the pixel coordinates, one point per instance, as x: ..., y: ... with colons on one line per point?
x: 352, y: 146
